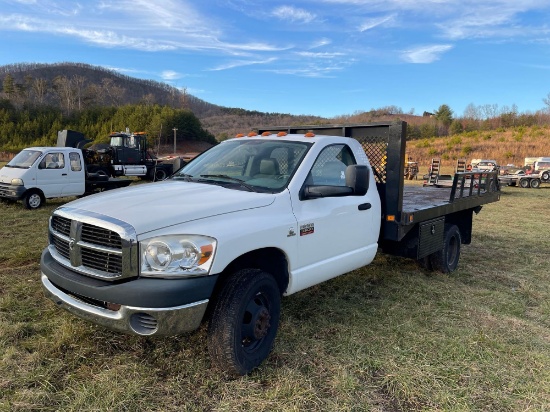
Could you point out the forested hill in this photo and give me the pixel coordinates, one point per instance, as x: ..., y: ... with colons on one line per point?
x: 76, y: 87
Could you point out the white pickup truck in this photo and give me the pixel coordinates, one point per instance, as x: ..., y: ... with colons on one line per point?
x: 39, y: 173
x: 246, y: 222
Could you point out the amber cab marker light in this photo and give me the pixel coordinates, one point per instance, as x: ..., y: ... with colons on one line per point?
x: 266, y: 134
x: 280, y: 134
x: 240, y: 135
x: 309, y: 134
x: 252, y: 134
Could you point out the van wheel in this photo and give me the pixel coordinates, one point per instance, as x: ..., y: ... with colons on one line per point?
x: 244, y: 321
x: 33, y: 200
x: 446, y: 259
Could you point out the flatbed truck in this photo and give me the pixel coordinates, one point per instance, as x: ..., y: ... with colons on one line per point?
x: 248, y: 221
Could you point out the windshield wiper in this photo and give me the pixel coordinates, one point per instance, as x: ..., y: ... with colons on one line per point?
x: 234, y: 179
x: 187, y: 178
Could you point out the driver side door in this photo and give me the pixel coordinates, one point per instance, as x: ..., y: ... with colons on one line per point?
x: 334, y: 233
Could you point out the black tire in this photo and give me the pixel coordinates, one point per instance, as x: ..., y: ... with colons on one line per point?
x: 524, y: 183
x: 446, y: 259
x: 33, y: 200
x: 535, y: 183
x: 160, y: 174
x: 244, y: 321
x: 545, y: 177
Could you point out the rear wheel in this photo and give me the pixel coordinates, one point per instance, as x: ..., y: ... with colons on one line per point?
x: 535, y: 183
x: 524, y: 183
x: 33, y: 200
x: 160, y: 174
x: 244, y: 321
x: 446, y: 259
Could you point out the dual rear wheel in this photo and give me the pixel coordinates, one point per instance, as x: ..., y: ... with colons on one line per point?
x: 446, y: 259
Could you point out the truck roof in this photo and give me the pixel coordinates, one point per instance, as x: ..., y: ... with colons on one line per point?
x: 46, y: 148
x: 310, y: 137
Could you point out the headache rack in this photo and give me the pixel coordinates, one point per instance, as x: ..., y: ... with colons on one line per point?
x: 404, y: 206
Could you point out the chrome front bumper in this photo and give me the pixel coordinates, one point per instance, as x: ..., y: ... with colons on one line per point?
x: 128, y: 319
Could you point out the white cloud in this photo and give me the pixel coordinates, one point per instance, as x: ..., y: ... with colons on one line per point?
x: 315, y: 70
x: 425, y: 54
x: 372, y: 23
x: 171, y: 75
x: 293, y: 14
x: 240, y: 63
x: 320, y: 55
x: 320, y: 43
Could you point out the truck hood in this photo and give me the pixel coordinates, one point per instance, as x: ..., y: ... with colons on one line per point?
x: 152, y: 206
x: 9, y: 173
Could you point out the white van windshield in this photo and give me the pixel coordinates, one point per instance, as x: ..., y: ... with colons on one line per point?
x: 24, y: 159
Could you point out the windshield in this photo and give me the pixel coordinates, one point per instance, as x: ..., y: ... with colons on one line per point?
x: 254, y: 165
x: 25, y: 159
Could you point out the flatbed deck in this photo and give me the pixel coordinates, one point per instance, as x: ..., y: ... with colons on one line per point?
x: 424, y: 203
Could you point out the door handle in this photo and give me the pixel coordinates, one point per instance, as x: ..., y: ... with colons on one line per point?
x: 63, y: 174
x: 364, y: 206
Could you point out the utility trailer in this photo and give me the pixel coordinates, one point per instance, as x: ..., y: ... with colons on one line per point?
x: 533, y: 181
x: 416, y: 221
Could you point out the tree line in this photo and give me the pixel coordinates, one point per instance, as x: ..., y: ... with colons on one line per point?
x: 38, y: 126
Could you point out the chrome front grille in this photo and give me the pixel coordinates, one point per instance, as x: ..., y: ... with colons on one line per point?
x: 61, y: 225
x: 101, y: 260
x: 101, y: 236
x: 92, y: 244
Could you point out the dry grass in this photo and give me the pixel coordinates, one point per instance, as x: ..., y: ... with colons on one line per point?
x: 506, y: 146
x: 388, y: 337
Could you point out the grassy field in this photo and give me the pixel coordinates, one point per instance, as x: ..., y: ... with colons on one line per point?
x: 389, y: 337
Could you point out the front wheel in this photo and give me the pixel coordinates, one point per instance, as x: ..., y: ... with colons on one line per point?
x: 244, y: 321
x: 446, y: 259
x: 33, y: 200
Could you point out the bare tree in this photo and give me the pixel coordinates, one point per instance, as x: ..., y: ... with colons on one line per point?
x: 115, y: 94
x: 546, y: 101
x: 78, y: 84
x: 40, y: 88
x: 64, y: 89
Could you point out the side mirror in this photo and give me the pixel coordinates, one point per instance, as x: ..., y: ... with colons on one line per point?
x: 357, y: 177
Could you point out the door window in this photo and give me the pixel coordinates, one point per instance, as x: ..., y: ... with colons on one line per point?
x: 74, y: 159
x: 330, y: 167
x: 53, y: 161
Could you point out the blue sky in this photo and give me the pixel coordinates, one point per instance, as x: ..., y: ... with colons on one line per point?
x: 318, y: 57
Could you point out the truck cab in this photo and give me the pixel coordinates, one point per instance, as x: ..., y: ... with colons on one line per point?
x: 40, y: 173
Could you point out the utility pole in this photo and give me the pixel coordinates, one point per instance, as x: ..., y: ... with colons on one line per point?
x: 174, y: 129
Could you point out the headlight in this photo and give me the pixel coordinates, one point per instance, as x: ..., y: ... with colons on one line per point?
x: 177, y: 256
x: 17, y: 182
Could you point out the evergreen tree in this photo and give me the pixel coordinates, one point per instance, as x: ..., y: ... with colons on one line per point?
x: 8, y: 86
x: 444, y: 115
